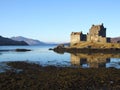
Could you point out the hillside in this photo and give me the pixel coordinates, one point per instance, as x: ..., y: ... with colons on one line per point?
x: 116, y: 39
x: 28, y: 40
x: 96, y: 45
x: 7, y: 41
x: 114, y: 44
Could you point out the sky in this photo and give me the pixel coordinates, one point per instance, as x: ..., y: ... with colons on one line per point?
x: 54, y: 20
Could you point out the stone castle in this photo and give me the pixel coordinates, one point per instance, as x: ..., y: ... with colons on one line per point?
x: 97, y: 33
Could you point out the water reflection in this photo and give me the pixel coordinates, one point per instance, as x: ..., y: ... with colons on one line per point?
x: 95, y: 60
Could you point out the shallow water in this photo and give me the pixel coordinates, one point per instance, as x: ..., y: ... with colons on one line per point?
x: 39, y: 54
x: 42, y: 56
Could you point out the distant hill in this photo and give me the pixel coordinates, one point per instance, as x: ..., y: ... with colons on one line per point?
x: 7, y: 41
x: 34, y: 42
x: 116, y: 39
x: 28, y: 40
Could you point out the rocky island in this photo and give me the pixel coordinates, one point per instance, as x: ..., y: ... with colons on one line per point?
x: 92, y: 42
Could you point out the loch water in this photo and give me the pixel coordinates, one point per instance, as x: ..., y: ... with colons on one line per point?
x: 43, y: 56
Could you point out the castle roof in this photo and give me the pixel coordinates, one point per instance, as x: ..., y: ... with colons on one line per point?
x: 97, y: 27
x: 100, y: 25
x: 76, y: 33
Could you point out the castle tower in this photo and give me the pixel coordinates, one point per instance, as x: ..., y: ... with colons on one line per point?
x: 77, y: 37
x: 97, y: 33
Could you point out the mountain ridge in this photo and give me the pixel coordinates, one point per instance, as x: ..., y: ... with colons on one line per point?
x: 8, y: 41
x: 31, y: 41
x: 115, y: 39
x: 28, y: 40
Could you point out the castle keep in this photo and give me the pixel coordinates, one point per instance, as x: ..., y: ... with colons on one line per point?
x: 97, y: 33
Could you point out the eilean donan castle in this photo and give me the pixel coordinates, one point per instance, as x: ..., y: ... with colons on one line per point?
x: 97, y: 33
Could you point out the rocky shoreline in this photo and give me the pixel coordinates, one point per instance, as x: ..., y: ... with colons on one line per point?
x: 61, y: 49
x: 36, y: 77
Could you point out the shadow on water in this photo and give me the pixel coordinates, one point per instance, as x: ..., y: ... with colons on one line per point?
x: 97, y: 60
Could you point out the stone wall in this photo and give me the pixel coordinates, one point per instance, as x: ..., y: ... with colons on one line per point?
x: 75, y: 38
x: 102, y: 39
x: 97, y: 33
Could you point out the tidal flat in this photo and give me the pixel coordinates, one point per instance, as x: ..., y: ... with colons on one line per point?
x: 35, y: 77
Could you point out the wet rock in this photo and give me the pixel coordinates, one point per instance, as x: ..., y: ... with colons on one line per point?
x: 22, y: 50
x: 36, y: 77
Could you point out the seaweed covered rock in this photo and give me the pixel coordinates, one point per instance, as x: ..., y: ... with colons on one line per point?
x: 60, y: 48
x: 35, y: 77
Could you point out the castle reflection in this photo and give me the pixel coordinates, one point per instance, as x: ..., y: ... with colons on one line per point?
x: 92, y: 60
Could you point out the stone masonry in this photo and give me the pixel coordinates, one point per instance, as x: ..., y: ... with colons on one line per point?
x: 97, y: 33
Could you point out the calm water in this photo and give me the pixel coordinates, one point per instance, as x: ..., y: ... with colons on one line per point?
x: 42, y: 56
x: 39, y: 54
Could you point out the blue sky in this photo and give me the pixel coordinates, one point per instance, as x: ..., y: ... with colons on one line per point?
x: 54, y: 20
